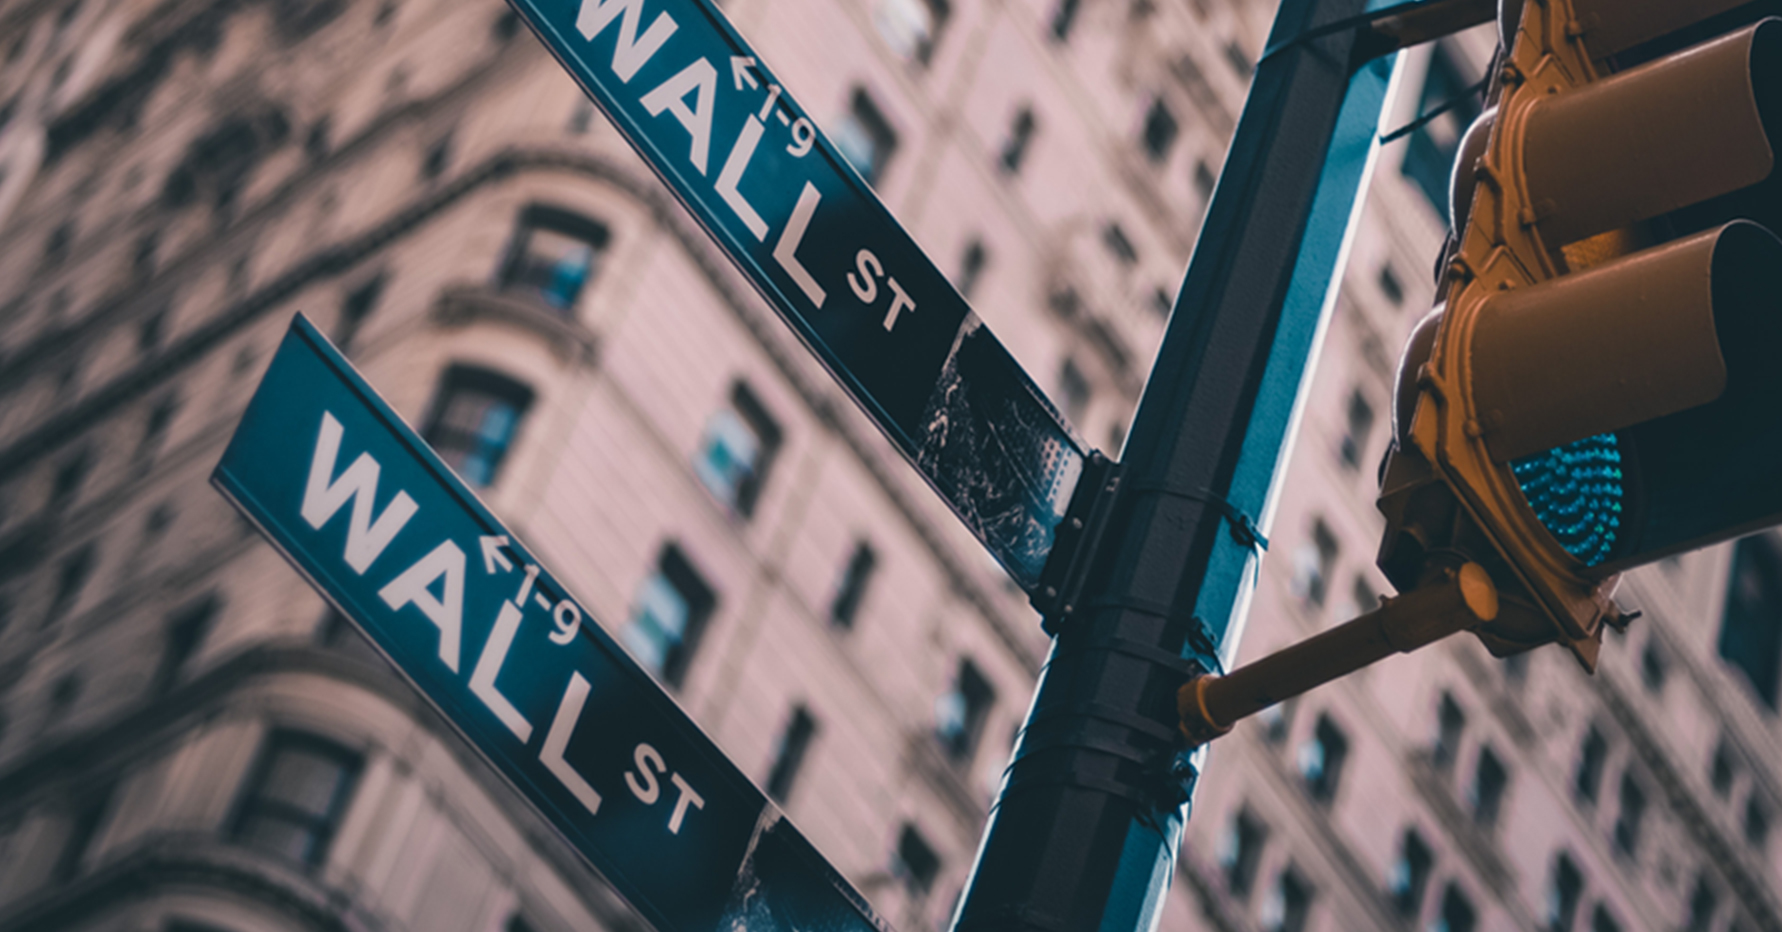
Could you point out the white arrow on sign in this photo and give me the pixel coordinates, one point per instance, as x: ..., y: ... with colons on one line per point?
x: 739, y: 69
x: 492, y: 554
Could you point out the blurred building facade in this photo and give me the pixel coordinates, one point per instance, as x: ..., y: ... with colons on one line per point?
x: 190, y: 740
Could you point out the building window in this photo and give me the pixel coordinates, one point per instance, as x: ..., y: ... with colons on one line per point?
x: 1751, y: 631
x: 356, y: 307
x: 1633, y: 812
x: 853, y: 586
x: 1064, y: 16
x: 1653, y: 666
x: 1450, y: 724
x: 1429, y: 158
x: 1563, y: 890
x: 1118, y: 245
x: 1312, y: 564
x: 1288, y: 904
x: 1161, y: 129
x: 971, y: 267
x: 1360, y: 426
x: 788, y: 757
x: 1592, y: 754
x: 69, y: 477
x: 960, y: 713
x: 911, y: 27
x: 1390, y: 286
x: 183, y: 635
x: 70, y: 580
x: 154, y: 430
x: 1240, y: 850
x: 295, y: 797
x: 1321, y: 759
x: 476, y: 414
x: 1277, y: 720
x: 83, y: 828
x: 554, y: 254
x: 1074, y: 391
x: 1602, y: 921
x: 1487, y: 793
x: 915, y: 862
x: 1702, y: 906
x: 669, y: 616
x: 1410, y: 874
x: 1457, y: 912
x: 740, y: 444
x: 1204, y: 178
x: 1014, y: 148
x: 1722, y: 769
x: 865, y: 137
x: 1757, y: 822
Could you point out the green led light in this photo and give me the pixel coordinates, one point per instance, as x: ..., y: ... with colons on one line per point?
x: 1576, y: 492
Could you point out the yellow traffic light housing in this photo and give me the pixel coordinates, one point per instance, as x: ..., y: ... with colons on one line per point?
x: 1599, y: 387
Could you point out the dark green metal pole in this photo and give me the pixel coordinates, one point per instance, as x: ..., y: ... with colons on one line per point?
x: 1085, y: 830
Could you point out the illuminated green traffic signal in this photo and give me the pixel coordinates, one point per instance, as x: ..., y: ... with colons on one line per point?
x: 1601, y: 385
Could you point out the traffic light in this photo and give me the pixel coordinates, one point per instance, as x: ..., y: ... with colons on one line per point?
x: 1601, y: 384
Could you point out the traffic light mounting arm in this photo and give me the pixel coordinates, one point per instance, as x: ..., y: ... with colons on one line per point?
x: 1459, y: 600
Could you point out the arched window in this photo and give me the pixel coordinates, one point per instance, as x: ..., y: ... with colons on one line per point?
x: 554, y: 254
x: 475, y: 415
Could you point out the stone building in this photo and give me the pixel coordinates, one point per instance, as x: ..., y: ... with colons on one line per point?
x: 191, y: 741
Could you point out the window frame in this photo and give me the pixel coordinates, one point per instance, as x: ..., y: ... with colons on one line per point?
x: 514, y: 274
x: 449, y: 441
x: 252, y: 803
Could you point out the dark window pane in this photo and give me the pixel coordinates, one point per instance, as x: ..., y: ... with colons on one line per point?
x: 1633, y: 813
x: 1457, y: 912
x: 1751, y: 632
x: 82, y: 828
x: 1722, y: 770
x: 911, y: 27
x: 865, y: 137
x: 971, y: 267
x: 1360, y: 429
x: 1160, y: 131
x: 740, y: 444
x: 1288, y: 904
x: 669, y: 616
x: 1064, y: 16
x: 1429, y: 158
x: 1321, y: 759
x: 1757, y: 822
x: 1014, y: 148
x: 1410, y: 874
x: 476, y: 414
x: 853, y: 586
x: 1489, y: 780
x: 1591, y: 756
x: 1702, y: 905
x: 1450, y: 723
x: 183, y: 635
x: 1602, y: 921
x: 960, y: 713
x: 295, y: 797
x: 915, y: 862
x: 1240, y: 850
x: 1564, y: 887
x: 554, y: 253
x: 789, y: 756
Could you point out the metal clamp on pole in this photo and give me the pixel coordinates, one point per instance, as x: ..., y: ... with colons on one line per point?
x: 1458, y: 600
x: 1078, y: 536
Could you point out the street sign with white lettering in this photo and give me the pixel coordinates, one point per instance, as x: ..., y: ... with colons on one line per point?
x: 692, y: 97
x: 358, y: 503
